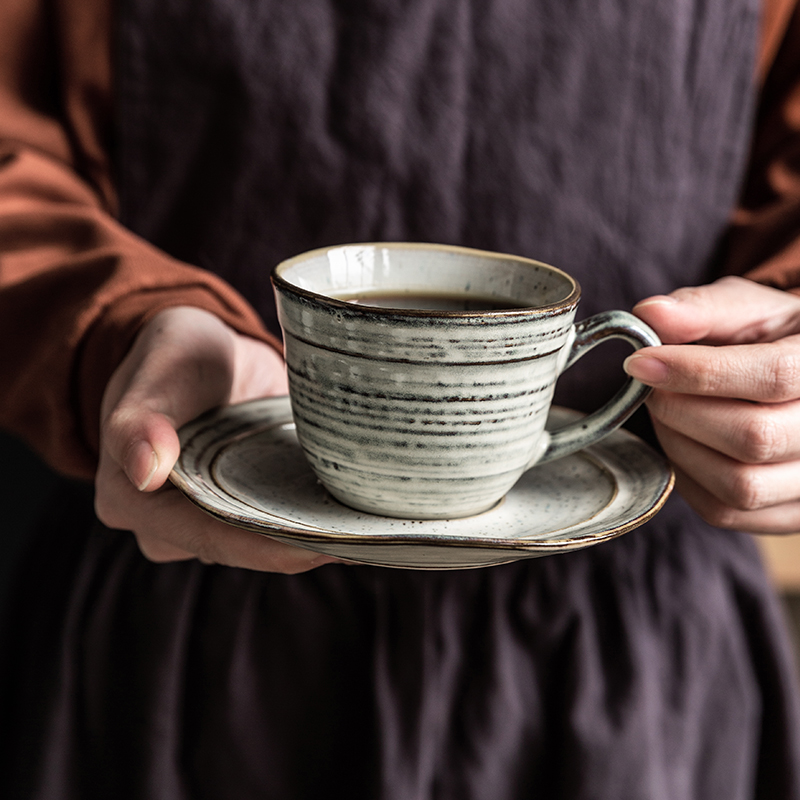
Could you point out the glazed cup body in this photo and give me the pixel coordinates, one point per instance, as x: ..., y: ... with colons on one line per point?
x: 433, y: 414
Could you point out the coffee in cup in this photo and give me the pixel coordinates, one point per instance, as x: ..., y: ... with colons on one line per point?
x: 421, y: 375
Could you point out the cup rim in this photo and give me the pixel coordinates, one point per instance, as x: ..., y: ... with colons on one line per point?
x: 279, y: 282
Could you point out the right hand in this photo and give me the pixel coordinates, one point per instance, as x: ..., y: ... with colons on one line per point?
x: 184, y: 361
x: 726, y: 405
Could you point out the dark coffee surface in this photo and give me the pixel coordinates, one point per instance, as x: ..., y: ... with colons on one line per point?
x: 433, y: 301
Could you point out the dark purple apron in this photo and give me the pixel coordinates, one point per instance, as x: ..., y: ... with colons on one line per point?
x: 608, y: 138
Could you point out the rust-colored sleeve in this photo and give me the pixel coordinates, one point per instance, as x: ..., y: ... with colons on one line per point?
x: 764, y: 239
x: 75, y: 287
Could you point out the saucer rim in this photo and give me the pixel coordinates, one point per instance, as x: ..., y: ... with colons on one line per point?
x: 280, y: 407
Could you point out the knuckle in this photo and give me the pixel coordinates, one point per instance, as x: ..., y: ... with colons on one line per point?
x: 763, y: 439
x: 696, y: 294
x: 151, y: 550
x: 720, y: 516
x: 114, y: 429
x: 116, y: 420
x: 108, y: 431
x: 663, y: 406
x: 203, y: 546
x: 749, y: 491
x: 783, y: 375
x: 711, y: 380
x: 288, y: 563
x: 108, y: 512
x: 155, y: 549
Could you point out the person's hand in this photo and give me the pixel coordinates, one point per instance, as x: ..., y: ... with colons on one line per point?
x: 183, y: 362
x: 726, y: 408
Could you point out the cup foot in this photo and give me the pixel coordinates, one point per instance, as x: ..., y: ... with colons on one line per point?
x: 420, y: 514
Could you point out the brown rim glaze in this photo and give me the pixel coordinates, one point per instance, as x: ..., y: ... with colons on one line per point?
x: 280, y: 282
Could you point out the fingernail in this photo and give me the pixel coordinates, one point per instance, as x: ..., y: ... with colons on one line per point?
x: 658, y: 300
x: 646, y: 369
x: 141, y: 453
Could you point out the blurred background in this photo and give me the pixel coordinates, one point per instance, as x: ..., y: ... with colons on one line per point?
x: 782, y: 556
x: 26, y: 485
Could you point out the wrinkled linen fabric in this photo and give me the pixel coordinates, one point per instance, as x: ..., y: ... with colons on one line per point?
x: 623, y: 671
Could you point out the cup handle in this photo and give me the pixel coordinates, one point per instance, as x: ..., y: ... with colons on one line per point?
x: 588, y: 430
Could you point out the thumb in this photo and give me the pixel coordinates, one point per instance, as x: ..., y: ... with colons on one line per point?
x: 144, y: 444
x: 180, y: 365
x: 731, y: 310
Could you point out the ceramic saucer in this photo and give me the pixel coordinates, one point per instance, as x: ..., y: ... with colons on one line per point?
x: 244, y: 465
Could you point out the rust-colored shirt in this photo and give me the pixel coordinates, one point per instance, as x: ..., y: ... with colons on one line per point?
x: 75, y: 286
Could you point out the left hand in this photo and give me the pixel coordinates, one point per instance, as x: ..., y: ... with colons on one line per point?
x: 183, y: 362
x: 726, y: 405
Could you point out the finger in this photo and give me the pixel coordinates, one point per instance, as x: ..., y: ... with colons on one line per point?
x: 744, y: 487
x: 181, y: 364
x: 755, y: 433
x: 779, y: 519
x: 159, y: 551
x: 142, y: 437
x: 730, y: 310
x: 768, y: 373
x: 170, y: 528
x: 144, y: 444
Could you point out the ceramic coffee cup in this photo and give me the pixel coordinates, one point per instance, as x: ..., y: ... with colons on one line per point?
x: 421, y: 375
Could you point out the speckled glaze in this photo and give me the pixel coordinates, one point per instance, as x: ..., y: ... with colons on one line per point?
x: 424, y: 414
x: 244, y: 465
